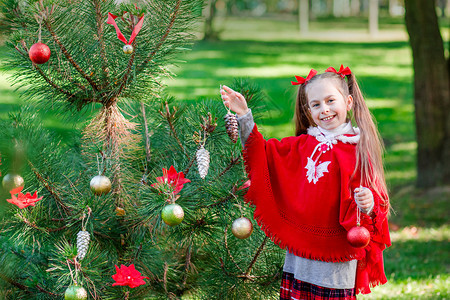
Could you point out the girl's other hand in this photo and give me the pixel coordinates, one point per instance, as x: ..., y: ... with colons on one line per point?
x: 364, y: 199
x: 234, y: 101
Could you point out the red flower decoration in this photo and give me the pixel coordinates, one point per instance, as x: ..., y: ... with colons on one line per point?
x: 301, y: 80
x: 342, y: 71
x: 128, y: 276
x: 172, y: 180
x: 22, y: 200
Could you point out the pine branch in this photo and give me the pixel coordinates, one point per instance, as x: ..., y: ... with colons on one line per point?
x: 188, y: 263
x: 166, y: 268
x: 56, y: 229
x: 49, y: 188
x: 222, y: 266
x: 33, y: 225
x: 234, y: 161
x: 229, y: 253
x: 273, y: 278
x: 222, y: 200
x: 24, y: 287
x: 164, y: 37
x: 170, y: 117
x: 258, y: 252
x: 191, y: 163
x: 69, y: 57
x: 47, y: 292
x: 147, y: 139
x: 100, y: 26
x: 14, y: 283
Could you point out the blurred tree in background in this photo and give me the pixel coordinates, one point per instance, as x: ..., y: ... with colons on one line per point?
x: 431, y: 93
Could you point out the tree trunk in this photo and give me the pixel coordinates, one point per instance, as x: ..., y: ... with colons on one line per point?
x: 303, y: 15
x: 431, y: 94
x: 373, y: 17
x: 355, y: 7
x: 210, y: 32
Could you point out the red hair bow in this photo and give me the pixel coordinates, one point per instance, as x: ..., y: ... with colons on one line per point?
x: 342, y: 71
x: 301, y: 80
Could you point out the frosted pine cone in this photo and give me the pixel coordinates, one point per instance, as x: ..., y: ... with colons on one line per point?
x: 83, y: 239
x: 232, y: 126
x: 202, y: 161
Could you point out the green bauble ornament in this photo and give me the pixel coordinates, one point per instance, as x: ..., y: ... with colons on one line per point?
x: 172, y: 214
x: 12, y: 181
x: 75, y: 292
x: 242, y: 228
x: 100, y: 185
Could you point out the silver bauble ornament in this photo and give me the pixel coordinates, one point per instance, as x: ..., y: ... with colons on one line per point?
x: 172, y: 214
x: 242, y: 228
x: 75, y: 292
x: 100, y: 185
x: 127, y: 49
x: 12, y: 181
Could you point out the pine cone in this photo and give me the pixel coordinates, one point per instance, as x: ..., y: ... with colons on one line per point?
x: 202, y: 161
x: 232, y: 126
x: 83, y: 239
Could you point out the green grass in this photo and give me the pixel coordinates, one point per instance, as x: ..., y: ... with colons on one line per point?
x: 271, y: 52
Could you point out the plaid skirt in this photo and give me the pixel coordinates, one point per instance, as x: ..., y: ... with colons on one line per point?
x: 293, y: 289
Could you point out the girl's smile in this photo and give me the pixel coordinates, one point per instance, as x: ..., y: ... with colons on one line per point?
x: 327, y: 118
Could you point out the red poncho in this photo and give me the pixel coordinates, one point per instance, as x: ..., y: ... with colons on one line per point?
x: 303, y: 193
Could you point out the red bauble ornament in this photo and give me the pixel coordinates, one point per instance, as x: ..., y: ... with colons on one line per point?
x: 358, y: 237
x: 39, y: 53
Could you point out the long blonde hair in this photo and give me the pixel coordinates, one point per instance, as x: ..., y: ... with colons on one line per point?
x: 370, y: 146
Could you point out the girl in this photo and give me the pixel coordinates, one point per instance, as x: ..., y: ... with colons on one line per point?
x: 309, y: 189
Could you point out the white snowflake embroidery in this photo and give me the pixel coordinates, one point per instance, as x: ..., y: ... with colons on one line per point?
x: 315, y: 172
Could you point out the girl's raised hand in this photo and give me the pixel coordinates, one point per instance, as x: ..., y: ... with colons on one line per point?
x: 234, y: 100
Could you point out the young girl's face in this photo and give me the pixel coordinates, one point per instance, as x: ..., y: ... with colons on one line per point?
x: 326, y: 103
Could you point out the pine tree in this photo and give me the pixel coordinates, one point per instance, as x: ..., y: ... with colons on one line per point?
x: 137, y: 137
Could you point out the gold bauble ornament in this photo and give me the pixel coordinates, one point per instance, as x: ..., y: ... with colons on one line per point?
x: 242, y: 228
x: 172, y: 214
x: 100, y: 185
x: 12, y: 181
x: 127, y: 49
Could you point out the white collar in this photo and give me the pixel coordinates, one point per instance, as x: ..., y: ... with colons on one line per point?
x: 337, y: 134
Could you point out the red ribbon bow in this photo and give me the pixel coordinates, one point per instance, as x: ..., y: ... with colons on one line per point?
x: 120, y: 36
x: 342, y: 71
x: 301, y: 80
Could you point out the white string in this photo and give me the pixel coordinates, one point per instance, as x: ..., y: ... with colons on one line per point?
x: 358, y: 212
x: 40, y: 30
x: 228, y: 109
x: 85, y: 220
x: 98, y: 165
x: 71, y: 275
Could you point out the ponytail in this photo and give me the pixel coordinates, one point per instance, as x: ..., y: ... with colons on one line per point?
x: 302, y: 117
x: 370, y: 145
